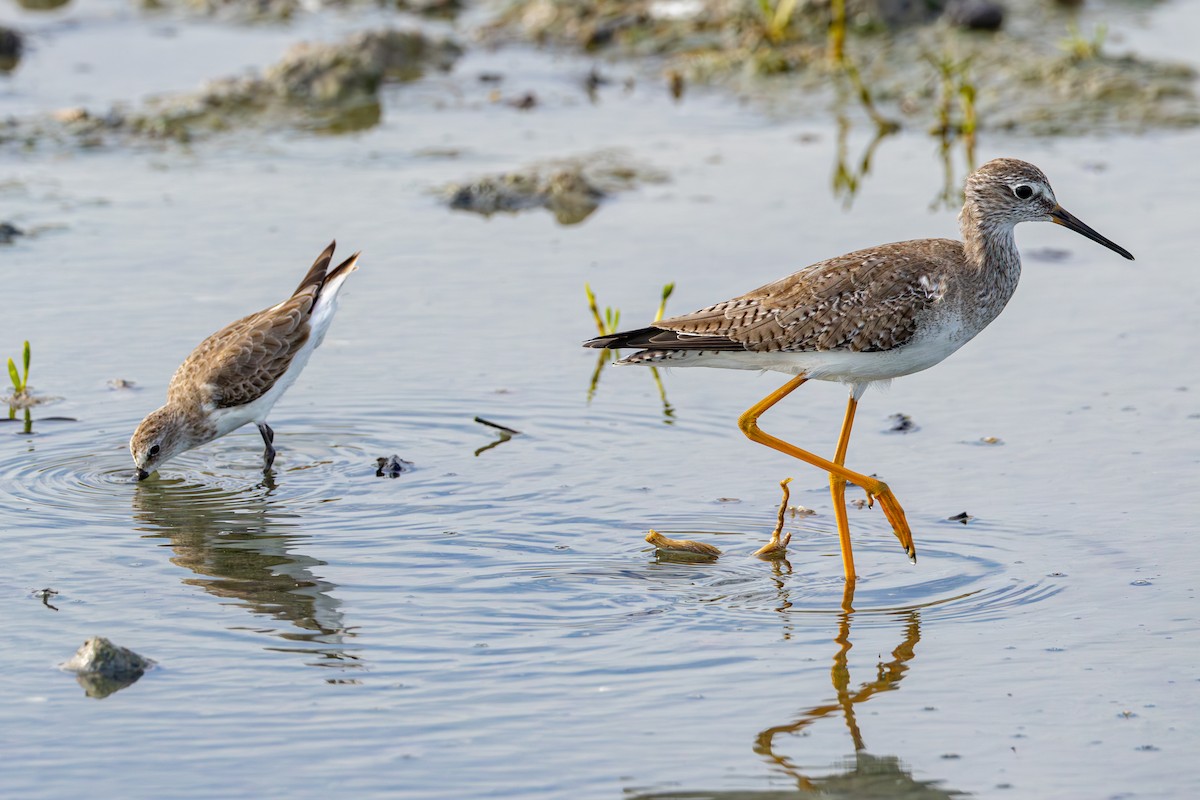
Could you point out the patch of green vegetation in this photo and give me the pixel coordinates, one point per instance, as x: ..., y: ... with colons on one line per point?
x: 1080, y: 48
x: 20, y: 380
x: 606, y: 324
x: 777, y: 18
x: 20, y: 397
x: 793, y: 56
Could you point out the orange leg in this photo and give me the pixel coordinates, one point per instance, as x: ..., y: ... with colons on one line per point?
x: 875, y: 488
x: 837, y: 488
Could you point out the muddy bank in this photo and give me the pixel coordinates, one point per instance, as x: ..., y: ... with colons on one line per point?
x: 570, y: 189
x: 329, y: 88
x: 1038, y: 73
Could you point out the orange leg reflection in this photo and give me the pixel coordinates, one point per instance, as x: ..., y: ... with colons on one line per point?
x: 888, y: 677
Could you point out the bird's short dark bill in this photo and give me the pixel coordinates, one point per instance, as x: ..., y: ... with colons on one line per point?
x: 1068, y: 220
x: 142, y: 474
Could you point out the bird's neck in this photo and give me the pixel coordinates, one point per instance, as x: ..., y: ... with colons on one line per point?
x: 991, y: 250
x: 990, y: 246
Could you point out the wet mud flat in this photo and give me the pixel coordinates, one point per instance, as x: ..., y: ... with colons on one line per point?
x: 419, y: 604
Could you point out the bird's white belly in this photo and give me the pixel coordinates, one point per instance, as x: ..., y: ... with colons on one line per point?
x: 929, y: 347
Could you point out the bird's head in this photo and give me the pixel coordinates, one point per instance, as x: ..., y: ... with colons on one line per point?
x: 157, y: 439
x: 1006, y: 191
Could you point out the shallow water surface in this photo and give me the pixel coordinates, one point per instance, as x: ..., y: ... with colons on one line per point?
x: 491, y: 623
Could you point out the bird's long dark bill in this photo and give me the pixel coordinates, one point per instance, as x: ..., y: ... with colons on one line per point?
x: 1068, y: 220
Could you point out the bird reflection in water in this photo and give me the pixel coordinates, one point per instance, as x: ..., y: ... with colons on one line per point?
x: 240, y: 547
x: 862, y: 775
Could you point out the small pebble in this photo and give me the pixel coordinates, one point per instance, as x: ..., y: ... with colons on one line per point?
x: 975, y: 15
x: 902, y: 423
x: 8, y: 232
x: 392, y: 467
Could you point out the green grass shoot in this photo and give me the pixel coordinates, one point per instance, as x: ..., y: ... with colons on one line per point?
x: 777, y: 17
x: 20, y: 381
x: 606, y: 324
x: 1081, y: 49
x: 662, y: 304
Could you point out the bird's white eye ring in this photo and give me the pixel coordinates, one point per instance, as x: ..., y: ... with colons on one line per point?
x: 1023, y: 191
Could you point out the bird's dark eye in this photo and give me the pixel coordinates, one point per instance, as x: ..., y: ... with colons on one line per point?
x: 1023, y: 192
x: 154, y: 450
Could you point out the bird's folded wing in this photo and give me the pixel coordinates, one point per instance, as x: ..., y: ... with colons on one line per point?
x: 241, y: 362
x: 869, y: 300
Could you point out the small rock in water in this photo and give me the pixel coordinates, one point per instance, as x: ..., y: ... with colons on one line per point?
x: 962, y: 517
x: 976, y: 15
x: 392, y: 467
x: 525, y: 102
x: 102, y: 667
x: 11, y: 46
x: 121, y: 383
x: 8, y: 232
x: 902, y: 423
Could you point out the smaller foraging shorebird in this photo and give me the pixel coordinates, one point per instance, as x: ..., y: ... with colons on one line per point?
x: 236, y: 375
x: 867, y: 316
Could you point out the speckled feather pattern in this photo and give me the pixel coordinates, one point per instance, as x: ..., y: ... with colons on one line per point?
x: 241, y: 362
x: 868, y: 300
x: 880, y: 300
x: 237, y: 374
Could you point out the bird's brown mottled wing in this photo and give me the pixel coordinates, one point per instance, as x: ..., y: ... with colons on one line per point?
x: 869, y: 300
x: 242, y: 361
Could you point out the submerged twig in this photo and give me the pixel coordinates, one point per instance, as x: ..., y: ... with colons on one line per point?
x: 506, y: 433
x: 777, y: 547
x: 498, y: 426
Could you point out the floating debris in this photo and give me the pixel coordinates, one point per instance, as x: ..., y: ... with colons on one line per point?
x: 682, y: 546
x: 975, y: 15
x: 801, y: 511
x: 594, y: 80
x: 506, y: 433
x: 857, y: 503
x: 121, y: 383
x: 102, y: 667
x: 524, y: 102
x: 498, y: 426
x: 675, y: 84
x: 990, y: 440
x: 11, y: 47
x: 571, y: 189
x: 44, y: 595
x: 392, y: 467
x: 902, y: 423
x: 777, y: 547
x: 9, y: 232
x: 963, y: 517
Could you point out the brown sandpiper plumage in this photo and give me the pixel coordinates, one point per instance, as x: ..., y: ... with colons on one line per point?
x: 867, y: 316
x: 236, y: 375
